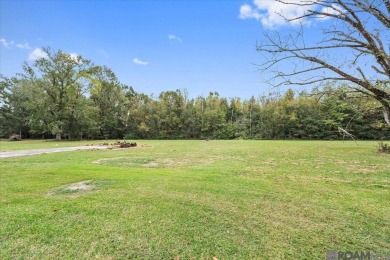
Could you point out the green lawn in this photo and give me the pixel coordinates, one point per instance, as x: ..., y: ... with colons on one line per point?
x: 196, y: 200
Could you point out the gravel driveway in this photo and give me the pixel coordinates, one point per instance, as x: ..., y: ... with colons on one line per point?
x: 49, y: 150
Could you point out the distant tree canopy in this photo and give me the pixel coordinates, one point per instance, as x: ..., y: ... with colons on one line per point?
x: 63, y: 96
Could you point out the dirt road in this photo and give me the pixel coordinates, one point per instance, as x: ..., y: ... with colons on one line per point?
x: 49, y: 150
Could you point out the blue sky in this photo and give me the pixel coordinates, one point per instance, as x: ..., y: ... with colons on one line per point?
x: 153, y: 46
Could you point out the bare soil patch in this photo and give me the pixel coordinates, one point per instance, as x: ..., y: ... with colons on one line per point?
x: 188, y: 161
x: 76, y: 189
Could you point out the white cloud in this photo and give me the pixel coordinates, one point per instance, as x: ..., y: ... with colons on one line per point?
x: 174, y: 38
x: 334, y: 10
x: 140, y: 62
x: 246, y: 12
x: 74, y: 56
x: 23, y: 46
x: 272, y: 13
x: 6, y: 43
x: 36, y: 54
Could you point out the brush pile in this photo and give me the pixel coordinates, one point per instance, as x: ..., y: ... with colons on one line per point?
x: 127, y: 145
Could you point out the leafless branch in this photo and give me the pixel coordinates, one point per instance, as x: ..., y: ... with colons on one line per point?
x: 360, y: 27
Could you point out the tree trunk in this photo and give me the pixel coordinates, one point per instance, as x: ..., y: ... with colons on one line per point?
x: 386, y: 112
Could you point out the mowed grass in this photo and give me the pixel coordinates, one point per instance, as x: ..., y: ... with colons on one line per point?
x: 197, y: 200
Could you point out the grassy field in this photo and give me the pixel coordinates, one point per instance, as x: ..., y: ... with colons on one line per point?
x: 195, y: 200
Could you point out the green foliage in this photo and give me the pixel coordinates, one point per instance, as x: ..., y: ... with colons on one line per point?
x: 383, y: 147
x: 73, y: 98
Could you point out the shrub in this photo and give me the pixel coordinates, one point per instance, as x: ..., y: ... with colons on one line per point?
x: 383, y: 148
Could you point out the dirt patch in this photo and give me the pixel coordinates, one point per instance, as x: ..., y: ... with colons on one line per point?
x: 368, y: 170
x: 76, y: 189
x: 124, y: 161
x: 151, y: 165
x: 80, y: 186
x: 144, y: 162
x: 185, y: 161
x: 129, y: 162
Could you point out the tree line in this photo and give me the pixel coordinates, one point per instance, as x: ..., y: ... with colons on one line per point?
x: 69, y: 97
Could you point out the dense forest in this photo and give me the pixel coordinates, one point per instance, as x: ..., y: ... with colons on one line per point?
x: 69, y: 97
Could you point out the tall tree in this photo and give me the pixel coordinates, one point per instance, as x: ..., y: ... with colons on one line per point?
x: 109, y: 97
x: 213, y: 116
x: 13, y: 112
x: 354, y: 47
x: 172, y: 105
x: 63, y: 79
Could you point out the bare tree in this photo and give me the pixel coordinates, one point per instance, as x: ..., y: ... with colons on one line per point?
x: 354, y: 47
